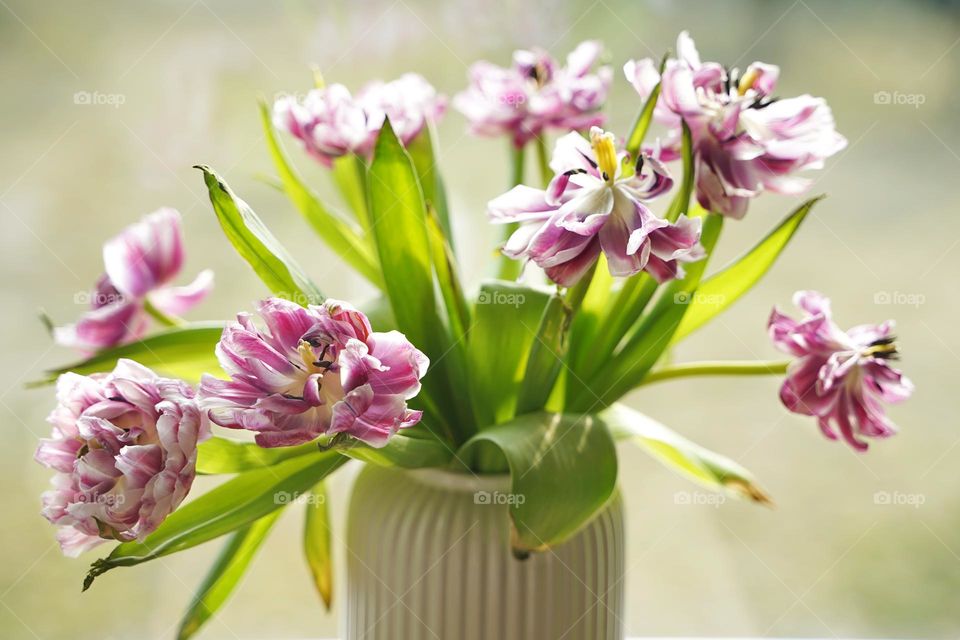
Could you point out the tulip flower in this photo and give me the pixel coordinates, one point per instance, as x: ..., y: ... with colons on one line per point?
x: 535, y: 94
x: 745, y: 140
x: 840, y: 377
x: 140, y: 263
x: 330, y: 122
x: 589, y: 207
x: 313, y: 371
x: 124, y: 447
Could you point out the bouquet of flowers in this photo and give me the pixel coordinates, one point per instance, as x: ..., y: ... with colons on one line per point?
x: 521, y: 375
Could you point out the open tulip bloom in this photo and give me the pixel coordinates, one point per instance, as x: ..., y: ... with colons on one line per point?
x: 605, y: 265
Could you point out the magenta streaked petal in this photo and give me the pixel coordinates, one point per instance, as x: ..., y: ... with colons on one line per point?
x: 177, y: 301
x: 145, y: 255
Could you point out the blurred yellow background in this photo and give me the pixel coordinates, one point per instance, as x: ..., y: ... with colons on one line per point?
x: 858, y: 546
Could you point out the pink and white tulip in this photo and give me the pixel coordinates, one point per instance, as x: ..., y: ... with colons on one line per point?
x: 124, y: 447
x: 536, y: 93
x: 590, y: 207
x: 840, y: 377
x: 140, y: 264
x: 313, y: 371
x: 331, y: 122
x: 745, y: 140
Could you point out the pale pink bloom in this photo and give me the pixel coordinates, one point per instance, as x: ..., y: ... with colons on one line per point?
x: 590, y: 207
x: 536, y: 94
x: 840, y: 377
x: 124, y: 447
x: 331, y: 122
x: 745, y: 140
x: 313, y: 371
x: 140, y: 264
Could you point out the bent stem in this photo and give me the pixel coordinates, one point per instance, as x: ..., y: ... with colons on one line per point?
x: 166, y: 319
x: 717, y: 368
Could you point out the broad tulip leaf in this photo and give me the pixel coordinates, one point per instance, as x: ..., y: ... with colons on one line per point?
x: 423, y: 155
x: 182, y: 352
x: 563, y: 469
x: 225, y: 574
x: 349, y: 173
x: 681, y: 201
x: 712, y: 470
x: 339, y: 236
x: 220, y: 455
x: 399, y: 222
x: 317, y: 543
x: 228, y: 507
x: 505, y: 324
x: 721, y: 290
x: 255, y: 244
x: 547, y: 352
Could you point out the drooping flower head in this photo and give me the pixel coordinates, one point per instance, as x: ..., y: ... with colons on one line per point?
x: 745, y: 139
x: 330, y: 122
x: 589, y: 207
x: 840, y: 377
x: 535, y: 94
x: 140, y: 264
x: 313, y: 371
x: 124, y: 447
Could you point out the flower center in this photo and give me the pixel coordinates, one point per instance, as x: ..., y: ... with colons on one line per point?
x: 885, y: 348
x: 606, y: 152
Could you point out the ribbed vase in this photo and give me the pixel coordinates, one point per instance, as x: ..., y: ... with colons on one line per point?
x: 429, y: 557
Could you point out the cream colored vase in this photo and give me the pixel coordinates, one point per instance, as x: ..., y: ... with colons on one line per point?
x: 429, y: 557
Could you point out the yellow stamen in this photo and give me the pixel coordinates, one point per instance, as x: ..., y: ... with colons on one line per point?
x: 606, y: 152
x: 881, y: 349
x: 746, y: 82
x: 318, y: 81
x: 307, y: 355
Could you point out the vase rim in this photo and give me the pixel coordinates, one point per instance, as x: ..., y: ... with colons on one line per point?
x: 460, y: 481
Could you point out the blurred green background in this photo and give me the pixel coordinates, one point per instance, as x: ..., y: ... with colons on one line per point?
x: 842, y: 555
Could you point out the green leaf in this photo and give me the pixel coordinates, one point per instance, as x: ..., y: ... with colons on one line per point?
x: 412, y: 448
x: 505, y: 324
x: 255, y: 244
x: 721, y: 290
x: 563, y: 469
x: 448, y: 278
x: 220, y: 455
x: 316, y: 543
x: 339, y: 236
x: 644, y: 118
x: 399, y: 217
x: 712, y: 470
x: 182, y: 352
x: 225, y: 574
x: 423, y: 155
x: 547, y: 352
x: 233, y: 504
x: 349, y: 173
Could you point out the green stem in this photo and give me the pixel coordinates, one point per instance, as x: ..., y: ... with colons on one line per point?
x: 717, y: 368
x: 166, y: 319
x: 509, y: 269
x: 543, y: 161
